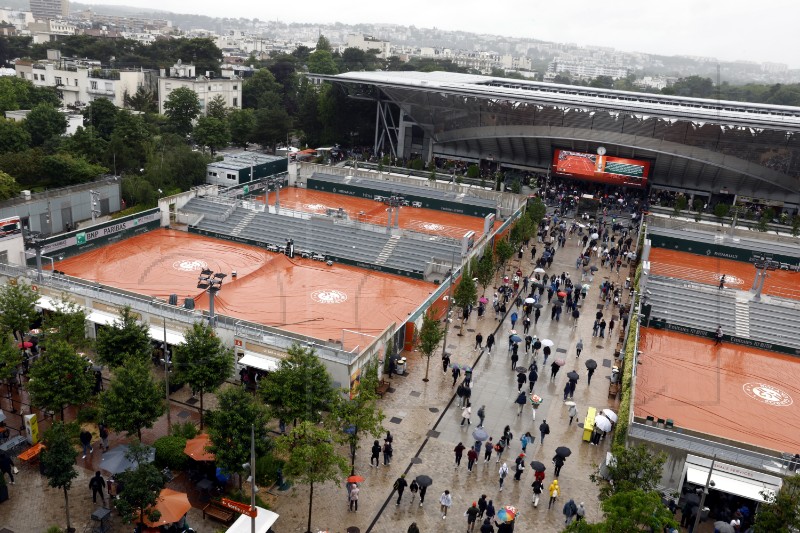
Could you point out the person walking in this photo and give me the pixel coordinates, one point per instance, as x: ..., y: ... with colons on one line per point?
x: 413, y: 528
x: 553, y: 491
x: 500, y: 447
x: 413, y: 488
x: 459, y: 452
x: 722, y: 282
x: 526, y: 325
x: 538, y: 487
x: 559, y: 462
x: 487, y: 451
x: 490, y: 510
x: 7, y: 466
x: 513, y: 319
x: 579, y: 348
x: 472, y: 516
x: 103, y: 431
x: 580, y: 513
x: 387, y: 453
x: 520, y: 467
x: 354, y: 497
x: 376, y: 453
x: 98, y: 484
x: 590, y: 372
x: 445, y: 361
x: 503, y: 472
x: 481, y: 505
x: 566, y: 390
x: 533, y: 376
x: 489, y: 343
x: 445, y: 501
x: 570, y: 510
x: 400, y: 485
x: 544, y: 430
x: 478, y: 341
x: 466, y: 412
x: 521, y: 401
x: 521, y: 379
x: 718, y: 336
x: 525, y: 440
x: 86, y: 441
x: 472, y: 457
x: 573, y: 412
x: 554, y: 368
x: 481, y: 415
x: 456, y: 374
x: 487, y: 526
x: 422, y: 490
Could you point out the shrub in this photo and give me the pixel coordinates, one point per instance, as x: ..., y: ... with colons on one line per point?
x: 417, y: 164
x: 267, y: 469
x: 169, y: 452
x: 187, y: 430
x: 721, y: 210
x: 88, y: 414
x: 473, y: 171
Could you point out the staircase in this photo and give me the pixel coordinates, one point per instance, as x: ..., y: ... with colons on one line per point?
x: 742, y: 313
x: 388, y: 248
x: 237, y: 229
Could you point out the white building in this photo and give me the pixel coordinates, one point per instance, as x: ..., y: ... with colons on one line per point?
x: 19, y: 19
x: 49, y: 9
x: 45, y: 31
x: 587, y: 70
x: 207, y: 87
x: 366, y: 43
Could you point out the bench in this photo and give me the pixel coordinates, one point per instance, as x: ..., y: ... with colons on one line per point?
x: 12, y: 443
x: 215, y: 510
x: 383, y: 388
x: 32, y: 452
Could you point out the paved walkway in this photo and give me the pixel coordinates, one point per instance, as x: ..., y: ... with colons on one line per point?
x: 425, y: 422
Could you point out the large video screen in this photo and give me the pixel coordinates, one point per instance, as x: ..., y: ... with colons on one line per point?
x: 602, y: 168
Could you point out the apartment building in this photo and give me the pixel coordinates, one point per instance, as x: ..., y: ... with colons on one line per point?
x: 49, y: 9
x: 207, y: 86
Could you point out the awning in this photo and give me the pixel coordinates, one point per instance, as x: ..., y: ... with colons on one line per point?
x: 99, y: 317
x: 730, y: 483
x: 264, y: 520
x: 173, y: 337
x: 262, y: 362
x: 45, y: 302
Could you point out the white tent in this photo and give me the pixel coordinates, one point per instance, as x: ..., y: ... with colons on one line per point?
x: 264, y: 520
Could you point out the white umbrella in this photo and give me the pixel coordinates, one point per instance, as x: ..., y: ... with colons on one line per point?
x: 547, y: 342
x: 581, y: 225
x: 602, y: 423
x: 594, y: 236
x: 529, y: 300
x: 611, y: 415
x: 539, y: 270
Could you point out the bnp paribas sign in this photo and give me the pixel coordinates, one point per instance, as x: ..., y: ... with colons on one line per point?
x: 101, y: 231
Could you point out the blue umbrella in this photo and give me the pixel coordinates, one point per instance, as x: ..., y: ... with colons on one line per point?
x: 222, y: 476
x: 516, y: 338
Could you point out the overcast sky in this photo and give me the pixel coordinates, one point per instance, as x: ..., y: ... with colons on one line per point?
x: 766, y: 30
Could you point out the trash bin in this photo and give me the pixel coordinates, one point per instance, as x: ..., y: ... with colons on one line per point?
x: 401, y: 366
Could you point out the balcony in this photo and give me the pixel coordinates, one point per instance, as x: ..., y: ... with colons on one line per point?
x: 103, y: 92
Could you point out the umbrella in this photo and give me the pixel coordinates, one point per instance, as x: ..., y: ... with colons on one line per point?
x: 516, y: 338
x: 172, y: 505
x: 355, y: 479
x: 512, y: 332
x: 569, y: 403
x: 723, y: 527
x: 424, y: 481
x: 537, y: 345
x: 547, y: 342
x: 561, y: 294
x: 521, y: 369
x: 25, y: 344
x: 483, y: 300
x: 591, y: 363
x: 34, y: 332
x: 538, y: 305
x: 537, y: 466
x: 560, y: 362
x: 611, y: 415
x: 538, y: 270
x: 197, y: 448
x: 222, y: 476
x: 572, y: 375
x: 529, y: 300
x: 586, y: 286
x: 563, y: 451
x: 593, y: 268
x: 506, y: 515
x: 602, y: 423
x: 480, y: 435
x: 115, y: 460
x: 594, y: 236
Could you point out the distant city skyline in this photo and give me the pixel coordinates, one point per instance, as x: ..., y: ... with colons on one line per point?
x: 729, y: 31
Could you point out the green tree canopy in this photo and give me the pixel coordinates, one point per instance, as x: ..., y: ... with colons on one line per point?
x: 466, y: 292
x: 503, y: 251
x: 272, y: 126
x: 9, y: 187
x: 216, y: 108
x: 261, y: 91
x: 142, y: 100
x: 17, y: 308
x: 430, y: 336
x: 134, y: 400
x: 323, y: 44
x: 59, y: 379
x: 14, y: 137
x: 67, y: 323
x: 58, y: 460
x: 321, y: 62
x: 182, y: 106
x: 212, y: 132
x: 633, y: 468
x: 300, y: 388
x: 142, y: 486
x: 485, y: 270
x: 43, y: 122
x: 101, y: 114
x: 781, y: 512
x: 241, y: 123
x: 633, y: 511
x: 124, y: 340
x: 202, y: 361
x: 229, y: 428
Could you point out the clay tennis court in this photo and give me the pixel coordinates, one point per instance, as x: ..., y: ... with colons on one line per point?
x: 731, y: 391
x: 708, y: 270
x: 299, y: 295
x: 574, y: 164
x: 369, y: 211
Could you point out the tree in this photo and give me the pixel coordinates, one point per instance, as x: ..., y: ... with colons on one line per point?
x: 133, y: 400
x: 536, y: 211
x: 182, y: 107
x: 126, y: 339
x: 212, y: 132
x: 142, y: 486
x: 311, y: 458
x: 503, y: 251
x: 67, y: 323
x: 216, y: 108
x: 485, y: 271
x: 272, y: 126
x: 10, y: 359
x: 101, y: 114
x: 13, y: 136
x: 9, y: 187
x: 59, y: 378
x: 321, y: 62
x: 241, y: 123
x: 142, y: 100
x: 300, y: 388
x: 202, y: 361
x: 634, y: 510
x: 17, y: 308
x: 465, y: 294
x: 87, y: 144
x: 43, y: 122
x: 229, y: 428
x: 351, y: 418
x: 58, y: 461
x: 430, y: 335
x: 780, y: 513
x: 632, y: 468
x: 323, y: 44
x: 261, y: 90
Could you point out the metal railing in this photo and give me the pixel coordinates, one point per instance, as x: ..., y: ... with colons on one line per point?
x: 744, y: 228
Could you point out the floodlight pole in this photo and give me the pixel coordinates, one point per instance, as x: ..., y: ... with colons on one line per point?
x: 166, y: 376
x: 253, y: 478
x: 705, y: 493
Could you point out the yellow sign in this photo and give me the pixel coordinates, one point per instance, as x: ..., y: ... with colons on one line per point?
x: 32, y: 428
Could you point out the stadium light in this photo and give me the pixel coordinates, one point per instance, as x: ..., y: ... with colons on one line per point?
x: 211, y: 283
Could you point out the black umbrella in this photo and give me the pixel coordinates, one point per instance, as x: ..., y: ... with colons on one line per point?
x: 538, y: 305
x: 563, y: 451
x: 594, y: 269
x: 521, y: 369
x: 572, y: 375
x: 424, y: 481
x: 591, y: 364
x: 537, y: 345
x: 537, y: 466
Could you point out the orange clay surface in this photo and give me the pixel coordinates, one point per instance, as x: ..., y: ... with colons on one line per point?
x: 707, y: 270
x: 299, y: 295
x: 731, y: 391
x: 369, y: 211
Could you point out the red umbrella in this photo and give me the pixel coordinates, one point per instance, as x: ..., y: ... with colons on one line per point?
x: 562, y: 294
x: 25, y: 345
x: 355, y: 479
x: 172, y: 505
x: 197, y: 448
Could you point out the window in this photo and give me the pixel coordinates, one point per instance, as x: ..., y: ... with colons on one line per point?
x: 213, y: 174
x: 209, y: 87
x: 35, y: 76
x: 232, y: 177
x: 109, y: 86
x: 76, y: 82
x: 235, y: 102
x: 235, y: 87
x: 167, y: 85
x: 58, y: 80
x: 4, y: 257
x: 93, y: 85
